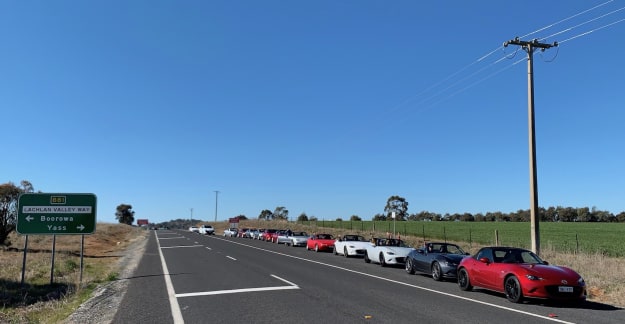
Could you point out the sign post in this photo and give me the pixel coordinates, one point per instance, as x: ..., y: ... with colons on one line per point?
x: 57, y: 214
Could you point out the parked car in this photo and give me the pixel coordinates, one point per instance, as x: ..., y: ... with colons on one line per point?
x: 266, y: 235
x: 231, y: 232
x: 351, y: 245
x: 256, y: 234
x: 242, y: 231
x: 387, y: 251
x: 282, y: 236
x: 320, y: 242
x: 194, y: 229
x: 249, y: 233
x: 297, y: 239
x: 206, y: 230
x: 439, y: 259
x: 519, y: 274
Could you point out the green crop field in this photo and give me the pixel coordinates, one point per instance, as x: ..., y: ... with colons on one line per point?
x: 581, y: 237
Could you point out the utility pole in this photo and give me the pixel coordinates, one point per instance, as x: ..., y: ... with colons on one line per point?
x: 530, y: 47
x: 216, y: 196
x: 191, y: 216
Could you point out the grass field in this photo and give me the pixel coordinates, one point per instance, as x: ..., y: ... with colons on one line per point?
x: 588, y: 238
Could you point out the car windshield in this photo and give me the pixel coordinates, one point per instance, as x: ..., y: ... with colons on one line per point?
x: 516, y: 256
x: 392, y: 242
x: 324, y: 237
x: 445, y: 248
x: 299, y: 234
x: 358, y: 238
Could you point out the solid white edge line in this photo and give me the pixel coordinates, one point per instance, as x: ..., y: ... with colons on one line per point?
x: 231, y: 258
x: 173, y: 302
x: 404, y: 283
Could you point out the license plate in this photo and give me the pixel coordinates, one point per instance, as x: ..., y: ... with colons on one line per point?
x: 565, y: 289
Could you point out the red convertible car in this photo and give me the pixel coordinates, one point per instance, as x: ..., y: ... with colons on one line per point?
x: 320, y: 242
x: 519, y: 274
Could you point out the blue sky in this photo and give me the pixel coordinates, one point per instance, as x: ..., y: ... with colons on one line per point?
x: 324, y: 107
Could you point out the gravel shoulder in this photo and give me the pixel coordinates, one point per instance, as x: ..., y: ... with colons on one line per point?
x: 102, y: 306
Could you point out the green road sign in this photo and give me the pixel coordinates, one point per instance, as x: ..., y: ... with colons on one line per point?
x: 58, y: 213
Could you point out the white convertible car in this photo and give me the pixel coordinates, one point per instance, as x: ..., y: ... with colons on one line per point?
x: 387, y: 251
x: 351, y: 245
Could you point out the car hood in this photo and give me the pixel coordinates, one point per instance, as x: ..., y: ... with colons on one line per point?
x: 398, y: 250
x: 551, y: 272
x: 455, y: 258
x: 356, y: 243
x: 327, y: 242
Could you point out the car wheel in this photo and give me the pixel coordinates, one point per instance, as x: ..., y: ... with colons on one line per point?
x: 513, y: 291
x: 436, y: 272
x: 463, y: 280
x: 335, y: 252
x: 345, y: 254
x: 316, y: 248
x: 382, y: 261
x: 409, y: 268
x: 367, y: 260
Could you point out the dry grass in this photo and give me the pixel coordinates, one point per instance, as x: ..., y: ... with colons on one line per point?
x: 39, y: 301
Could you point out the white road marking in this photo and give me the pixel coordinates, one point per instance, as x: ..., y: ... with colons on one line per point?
x: 180, y: 246
x: 244, y: 290
x: 403, y: 283
x: 231, y: 258
x: 173, y: 302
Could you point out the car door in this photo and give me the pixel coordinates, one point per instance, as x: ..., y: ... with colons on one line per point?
x: 493, y: 272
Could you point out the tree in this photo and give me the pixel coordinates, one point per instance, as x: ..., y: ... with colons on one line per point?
x: 396, y: 204
x: 378, y: 217
x: 125, y: 214
x: 302, y: 217
x: 9, y: 194
x: 355, y: 218
x: 266, y: 215
x: 281, y: 213
x: 241, y: 217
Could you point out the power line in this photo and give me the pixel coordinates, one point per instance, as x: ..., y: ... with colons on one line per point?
x: 593, y: 30
x: 584, y: 23
x: 566, y: 19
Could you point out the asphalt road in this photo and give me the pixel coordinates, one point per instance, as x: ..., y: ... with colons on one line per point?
x: 213, y: 279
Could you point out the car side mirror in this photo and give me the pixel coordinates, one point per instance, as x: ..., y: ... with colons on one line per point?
x: 545, y: 263
x: 485, y: 260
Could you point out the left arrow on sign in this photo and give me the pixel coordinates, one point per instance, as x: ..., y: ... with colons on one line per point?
x: 29, y: 218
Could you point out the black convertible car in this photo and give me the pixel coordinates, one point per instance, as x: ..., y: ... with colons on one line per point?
x: 439, y: 259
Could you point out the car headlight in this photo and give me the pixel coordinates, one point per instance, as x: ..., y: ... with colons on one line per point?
x: 390, y: 253
x: 532, y: 277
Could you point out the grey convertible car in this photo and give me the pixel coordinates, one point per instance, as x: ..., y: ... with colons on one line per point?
x: 439, y: 259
